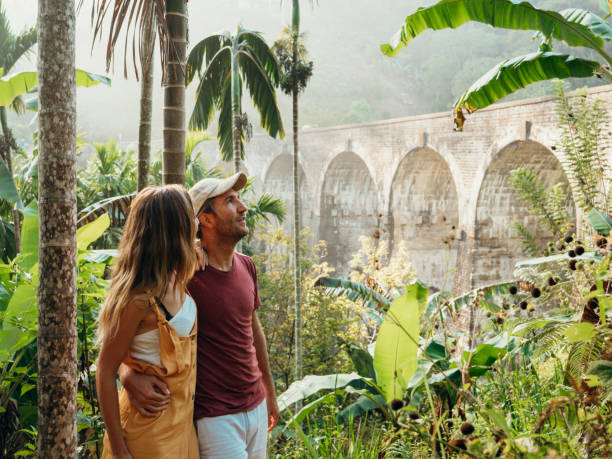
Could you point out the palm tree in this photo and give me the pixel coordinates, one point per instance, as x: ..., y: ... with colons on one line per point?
x: 232, y: 60
x: 169, y: 17
x: 57, y: 315
x: 146, y: 110
x: 297, y: 70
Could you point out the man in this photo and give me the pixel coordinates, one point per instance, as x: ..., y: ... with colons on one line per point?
x: 235, y: 397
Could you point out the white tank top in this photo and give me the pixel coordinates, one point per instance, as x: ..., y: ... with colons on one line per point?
x: 145, y: 346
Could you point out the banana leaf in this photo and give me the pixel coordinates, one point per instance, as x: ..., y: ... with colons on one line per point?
x: 17, y: 84
x: 519, y: 72
x: 488, y: 292
x: 395, y: 356
x: 506, y: 14
x: 310, y: 385
x: 555, y: 258
x: 599, y: 221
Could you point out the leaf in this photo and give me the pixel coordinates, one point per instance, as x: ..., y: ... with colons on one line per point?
x: 20, y: 83
x: 8, y: 190
x: 513, y: 74
x: 482, y: 359
x: 582, y: 331
x: 361, y: 406
x: 605, y: 5
x: 310, y: 385
x: 306, y: 410
x: 29, y: 239
x: 362, y: 360
x: 603, y: 370
x: 503, y: 14
x: 354, y: 291
x: 92, y: 231
x: 499, y: 418
x: 555, y: 258
x: 87, y: 79
x: 395, y: 355
x: 599, y: 221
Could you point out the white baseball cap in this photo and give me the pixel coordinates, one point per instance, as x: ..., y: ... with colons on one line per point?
x: 211, y: 187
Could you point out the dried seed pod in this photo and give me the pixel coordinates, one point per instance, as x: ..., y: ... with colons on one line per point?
x: 458, y: 443
x: 523, y: 305
x: 413, y: 415
x: 513, y: 289
x: 530, y: 307
x: 536, y: 292
x: 551, y: 281
x: 500, y: 318
x: 467, y: 428
x: 579, y: 250
x: 397, y: 404
x: 569, y: 239
x: 571, y: 253
x: 572, y: 265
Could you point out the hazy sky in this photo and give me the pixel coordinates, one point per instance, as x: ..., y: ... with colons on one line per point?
x: 352, y: 80
x: 104, y: 111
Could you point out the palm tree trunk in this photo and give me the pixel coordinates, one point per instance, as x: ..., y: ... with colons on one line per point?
x: 146, y: 113
x: 236, y: 107
x: 236, y: 141
x: 174, y: 94
x: 57, y: 318
x: 296, y: 203
x: 9, y: 142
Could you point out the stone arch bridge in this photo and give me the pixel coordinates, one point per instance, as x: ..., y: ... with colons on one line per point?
x: 445, y: 193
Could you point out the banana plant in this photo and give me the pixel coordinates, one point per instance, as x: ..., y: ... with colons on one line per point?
x: 574, y: 27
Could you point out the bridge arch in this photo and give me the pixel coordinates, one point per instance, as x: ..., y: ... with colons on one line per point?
x: 424, y: 213
x: 349, y: 208
x: 496, y: 246
x: 278, y: 180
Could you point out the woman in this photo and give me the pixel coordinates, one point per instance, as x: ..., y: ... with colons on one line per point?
x: 148, y: 322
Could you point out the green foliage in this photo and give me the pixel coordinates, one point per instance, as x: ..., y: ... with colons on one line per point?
x: 529, y: 243
x: 245, y: 58
x: 581, y: 121
x: 328, y: 322
x: 295, y: 75
x: 18, y: 328
x: 395, y: 357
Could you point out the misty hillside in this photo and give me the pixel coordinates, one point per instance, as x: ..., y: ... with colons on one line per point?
x: 352, y: 81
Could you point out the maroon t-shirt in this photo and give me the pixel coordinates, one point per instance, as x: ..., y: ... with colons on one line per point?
x: 228, y: 376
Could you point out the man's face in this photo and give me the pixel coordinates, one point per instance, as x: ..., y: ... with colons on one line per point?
x: 229, y: 216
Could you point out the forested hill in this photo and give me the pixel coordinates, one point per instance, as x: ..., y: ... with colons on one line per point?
x: 352, y: 81
x: 355, y: 82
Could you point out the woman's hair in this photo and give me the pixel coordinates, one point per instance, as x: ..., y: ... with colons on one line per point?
x: 157, y: 242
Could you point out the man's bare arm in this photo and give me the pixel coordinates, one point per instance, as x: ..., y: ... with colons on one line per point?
x: 148, y: 394
x: 259, y: 341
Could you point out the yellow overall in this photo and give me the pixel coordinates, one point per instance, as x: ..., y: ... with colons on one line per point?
x: 172, y: 433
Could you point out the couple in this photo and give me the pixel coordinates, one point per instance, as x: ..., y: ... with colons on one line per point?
x: 161, y: 313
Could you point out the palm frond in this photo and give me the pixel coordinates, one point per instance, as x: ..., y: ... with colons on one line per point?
x: 117, y: 207
x: 224, y: 127
x: 262, y: 54
x: 210, y: 89
x: 141, y: 15
x: 354, y: 291
x: 262, y: 93
x: 205, y: 49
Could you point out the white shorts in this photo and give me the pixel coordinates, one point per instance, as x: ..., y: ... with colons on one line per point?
x: 234, y: 436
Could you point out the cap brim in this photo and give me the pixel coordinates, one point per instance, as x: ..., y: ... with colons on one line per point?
x: 236, y: 182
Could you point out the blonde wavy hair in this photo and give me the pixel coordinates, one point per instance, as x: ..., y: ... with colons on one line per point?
x: 157, y: 242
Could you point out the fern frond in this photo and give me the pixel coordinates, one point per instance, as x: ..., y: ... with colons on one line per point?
x: 529, y: 243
